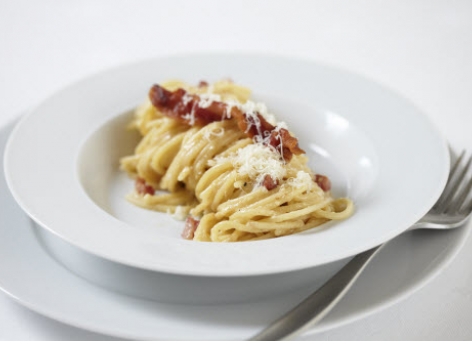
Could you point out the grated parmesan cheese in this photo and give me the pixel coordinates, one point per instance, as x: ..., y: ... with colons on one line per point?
x: 303, y: 179
x: 186, y: 98
x: 249, y: 108
x: 257, y: 161
x: 206, y: 99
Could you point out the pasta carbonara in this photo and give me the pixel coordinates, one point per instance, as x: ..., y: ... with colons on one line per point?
x: 222, y: 162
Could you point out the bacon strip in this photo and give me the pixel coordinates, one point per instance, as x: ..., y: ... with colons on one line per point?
x: 190, y: 227
x: 269, y: 183
x: 323, y: 182
x: 143, y: 188
x: 181, y: 105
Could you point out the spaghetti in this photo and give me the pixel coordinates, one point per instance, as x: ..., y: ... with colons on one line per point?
x: 211, y: 155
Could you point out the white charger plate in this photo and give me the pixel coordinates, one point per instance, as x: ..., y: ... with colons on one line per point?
x: 33, y: 278
x: 61, y: 164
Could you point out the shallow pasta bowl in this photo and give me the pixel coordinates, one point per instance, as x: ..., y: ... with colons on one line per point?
x: 61, y: 164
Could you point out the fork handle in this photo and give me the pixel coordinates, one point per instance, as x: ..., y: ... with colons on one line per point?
x: 316, y: 306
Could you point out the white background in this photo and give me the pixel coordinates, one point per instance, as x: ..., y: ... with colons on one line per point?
x: 421, y: 49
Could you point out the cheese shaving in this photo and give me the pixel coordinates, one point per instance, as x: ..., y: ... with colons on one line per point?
x: 257, y: 161
x: 303, y: 179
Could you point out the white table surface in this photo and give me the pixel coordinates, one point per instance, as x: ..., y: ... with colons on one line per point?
x: 421, y: 49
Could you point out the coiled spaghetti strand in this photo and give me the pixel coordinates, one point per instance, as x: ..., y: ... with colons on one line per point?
x: 195, y: 165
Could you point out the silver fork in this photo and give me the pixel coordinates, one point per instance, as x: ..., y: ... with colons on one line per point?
x: 450, y: 211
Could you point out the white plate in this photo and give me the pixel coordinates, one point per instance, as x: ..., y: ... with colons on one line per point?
x: 35, y: 280
x: 61, y: 164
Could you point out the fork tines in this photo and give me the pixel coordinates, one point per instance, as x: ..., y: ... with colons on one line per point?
x: 457, y: 189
